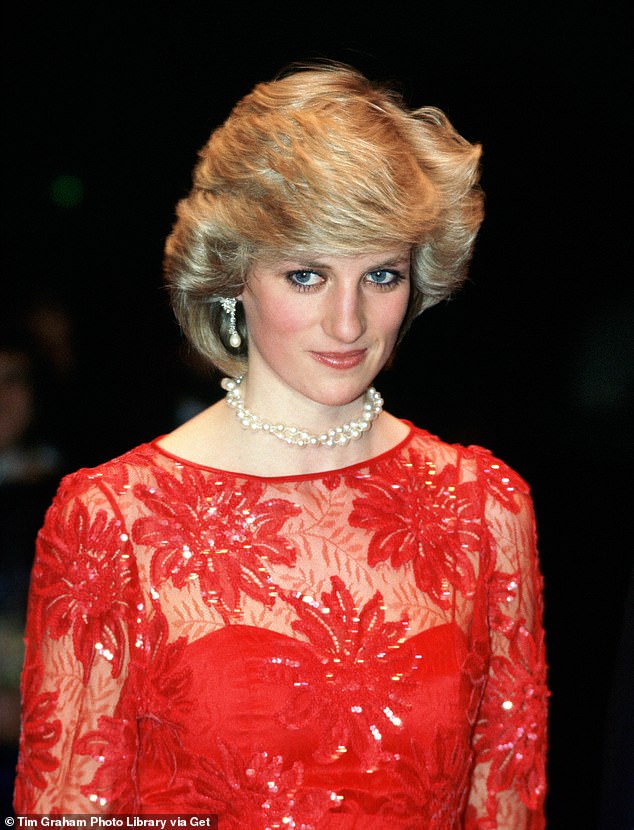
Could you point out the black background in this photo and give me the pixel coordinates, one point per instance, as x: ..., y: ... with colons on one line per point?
x: 532, y: 359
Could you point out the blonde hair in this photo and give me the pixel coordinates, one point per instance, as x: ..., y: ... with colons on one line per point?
x: 320, y: 160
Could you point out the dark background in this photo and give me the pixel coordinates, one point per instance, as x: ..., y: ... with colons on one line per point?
x: 533, y: 359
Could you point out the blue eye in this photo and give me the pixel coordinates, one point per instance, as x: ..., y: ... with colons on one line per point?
x: 384, y: 277
x: 304, y: 279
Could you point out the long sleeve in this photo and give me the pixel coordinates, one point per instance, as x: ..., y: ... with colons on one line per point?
x: 510, y: 737
x: 84, y: 619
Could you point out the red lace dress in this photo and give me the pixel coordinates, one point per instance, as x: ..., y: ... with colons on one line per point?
x: 354, y: 649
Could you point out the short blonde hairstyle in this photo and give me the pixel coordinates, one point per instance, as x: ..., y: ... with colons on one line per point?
x: 320, y: 160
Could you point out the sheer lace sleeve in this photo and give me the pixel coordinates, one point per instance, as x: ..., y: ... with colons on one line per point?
x: 510, y: 739
x: 84, y: 620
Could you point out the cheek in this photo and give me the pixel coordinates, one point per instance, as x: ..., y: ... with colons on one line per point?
x: 276, y: 317
x: 390, y: 316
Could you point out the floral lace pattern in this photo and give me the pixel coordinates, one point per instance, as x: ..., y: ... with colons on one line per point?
x: 341, y: 687
x: 356, y: 648
x: 40, y: 733
x: 215, y: 533
x: 89, y: 595
x: 421, y: 515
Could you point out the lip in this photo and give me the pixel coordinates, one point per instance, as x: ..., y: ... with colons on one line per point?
x: 340, y: 360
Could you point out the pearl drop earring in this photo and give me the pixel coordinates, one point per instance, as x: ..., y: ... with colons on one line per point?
x: 229, y: 307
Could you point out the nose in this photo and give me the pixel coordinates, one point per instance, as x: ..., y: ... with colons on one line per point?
x: 345, y: 315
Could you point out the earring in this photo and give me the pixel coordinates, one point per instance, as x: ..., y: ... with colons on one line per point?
x: 229, y: 307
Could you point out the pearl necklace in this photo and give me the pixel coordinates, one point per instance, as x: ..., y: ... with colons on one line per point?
x: 336, y: 437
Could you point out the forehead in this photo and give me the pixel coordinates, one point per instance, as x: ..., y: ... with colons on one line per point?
x: 362, y: 261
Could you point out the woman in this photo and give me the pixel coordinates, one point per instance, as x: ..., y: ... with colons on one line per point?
x: 297, y: 610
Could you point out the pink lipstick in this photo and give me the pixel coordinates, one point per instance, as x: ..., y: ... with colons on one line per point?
x: 340, y: 360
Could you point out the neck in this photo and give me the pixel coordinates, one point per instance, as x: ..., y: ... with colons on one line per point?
x: 329, y: 433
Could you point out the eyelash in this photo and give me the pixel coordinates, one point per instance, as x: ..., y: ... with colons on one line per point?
x: 397, y: 277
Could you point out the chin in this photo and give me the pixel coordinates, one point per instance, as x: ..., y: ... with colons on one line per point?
x: 337, y: 395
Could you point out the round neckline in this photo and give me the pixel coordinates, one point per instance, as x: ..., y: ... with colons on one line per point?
x: 299, y: 477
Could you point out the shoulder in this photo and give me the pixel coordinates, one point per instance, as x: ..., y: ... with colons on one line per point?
x: 474, y: 463
x: 102, y: 487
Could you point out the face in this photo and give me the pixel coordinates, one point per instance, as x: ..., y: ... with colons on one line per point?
x: 324, y: 326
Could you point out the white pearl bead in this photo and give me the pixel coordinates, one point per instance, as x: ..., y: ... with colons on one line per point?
x: 292, y: 435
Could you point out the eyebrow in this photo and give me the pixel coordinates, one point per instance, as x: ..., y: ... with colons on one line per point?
x: 322, y: 266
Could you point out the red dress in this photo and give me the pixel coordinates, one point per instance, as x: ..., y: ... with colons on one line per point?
x: 361, y: 648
